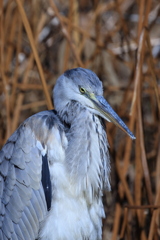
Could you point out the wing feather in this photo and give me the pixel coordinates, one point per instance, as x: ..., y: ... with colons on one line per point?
x: 8, y: 150
x: 1, y: 185
x: 18, y: 231
x: 1, y: 235
x: 6, y: 198
x: 11, y: 172
x: 26, y: 233
x: 37, y: 207
x: 28, y: 224
x: 17, y: 158
x: 41, y: 200
x: 8, y: 228
x: 14, y: 236
x: 4, y: 237
x: 4, y: 168
x: 33, y: 176
x: 34, y: 215
x: 13, y: 213
x: 24, y: 192
x: 22, y: 177
x: 22, y: 199
x: 30, y: 218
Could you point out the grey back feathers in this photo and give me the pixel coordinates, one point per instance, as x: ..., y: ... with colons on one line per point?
x: 72, y: 142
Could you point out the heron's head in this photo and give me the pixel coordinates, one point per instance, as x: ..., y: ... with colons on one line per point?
x: 83, y: 85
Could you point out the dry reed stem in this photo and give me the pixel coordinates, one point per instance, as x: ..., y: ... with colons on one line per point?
x: 152, y: 70
x: 124, y: 224
x: 158, y: 164
x: 143, y: 154
x: 124, y: 183
x: 2, y: 67
x: 116, y: 221
x: 19, y: 100
x: 8, y: 18
x: 147, y: 10
x: 10, y: 40
x: 33, y: 46
x: 76, y: 35
x: 157, y: 199
x: 153, y: 220
x: 30, y: 86
x: 140, y: 131
x: 138, y: 179
x: 141, y: 16
x: 140, y: 59
x: 18, y: 49
x: 66, y: 34
x: 136, y: 102
x: 32, y: 105
x: 69, y: 29
x: 73, y: 26
x: 21, y: 95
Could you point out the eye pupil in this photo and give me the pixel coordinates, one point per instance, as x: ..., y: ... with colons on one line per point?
x: 82, y: 90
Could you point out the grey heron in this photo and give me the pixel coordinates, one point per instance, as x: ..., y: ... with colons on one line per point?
x: 55, y: 166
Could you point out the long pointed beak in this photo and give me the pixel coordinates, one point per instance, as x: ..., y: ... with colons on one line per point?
x: 103, y: 107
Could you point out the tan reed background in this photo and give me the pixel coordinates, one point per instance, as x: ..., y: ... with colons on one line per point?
x: 120, y: 41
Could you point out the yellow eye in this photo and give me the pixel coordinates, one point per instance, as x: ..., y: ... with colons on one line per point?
x: 82, y: 90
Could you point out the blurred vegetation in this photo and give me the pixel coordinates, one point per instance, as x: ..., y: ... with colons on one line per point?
x: 120, y: 41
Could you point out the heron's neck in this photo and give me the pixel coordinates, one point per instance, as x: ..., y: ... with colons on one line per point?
x: 70, y: 112
x: 87, y: 153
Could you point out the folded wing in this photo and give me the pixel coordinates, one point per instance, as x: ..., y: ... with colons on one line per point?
x: 25, y: 183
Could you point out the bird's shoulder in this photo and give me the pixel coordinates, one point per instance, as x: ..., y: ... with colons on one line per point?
x: 45, y: 127
x: 41, y: 131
